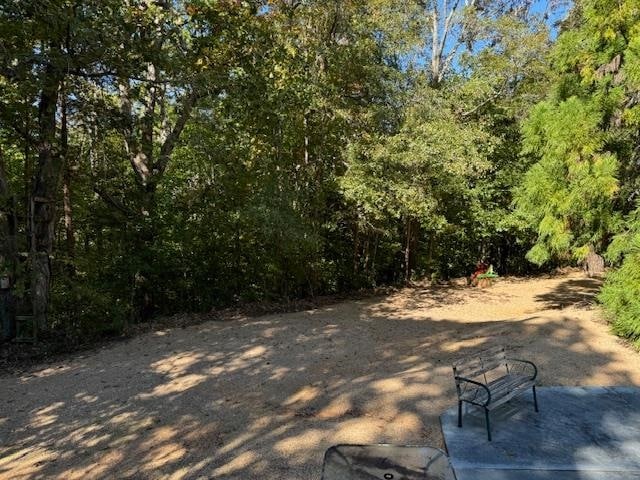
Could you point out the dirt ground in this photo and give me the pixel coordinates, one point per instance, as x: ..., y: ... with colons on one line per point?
x: 262, y: 398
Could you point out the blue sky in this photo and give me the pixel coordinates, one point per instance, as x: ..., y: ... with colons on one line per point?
x: 556, y: 10
x: 559, y: 13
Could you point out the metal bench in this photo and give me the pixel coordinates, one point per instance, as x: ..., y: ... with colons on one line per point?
x: 490, y: 378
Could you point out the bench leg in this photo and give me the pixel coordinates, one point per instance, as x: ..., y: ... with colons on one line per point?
x: 535, y: 399
x: 459, y: 414
x: 486, y: 418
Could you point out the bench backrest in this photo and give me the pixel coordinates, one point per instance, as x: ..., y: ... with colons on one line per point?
x: 481, y: 363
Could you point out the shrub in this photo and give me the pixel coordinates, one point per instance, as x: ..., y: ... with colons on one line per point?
x: 620, y: 295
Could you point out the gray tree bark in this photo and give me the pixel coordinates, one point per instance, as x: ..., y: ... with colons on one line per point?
x: 43, y: 193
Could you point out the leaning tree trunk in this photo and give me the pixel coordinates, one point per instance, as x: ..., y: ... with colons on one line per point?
x: 43, y: 198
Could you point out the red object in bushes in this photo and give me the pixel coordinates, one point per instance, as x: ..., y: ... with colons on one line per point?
x: 481, y: 268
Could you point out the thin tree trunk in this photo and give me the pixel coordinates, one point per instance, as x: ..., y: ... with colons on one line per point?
x: 430, y: 253
x: 407, y: 253
x: 435, y: 46
x: 27, y: 173
x: 366, y: 251
x: 66, y: 185
x: 356, y: 247
x: 68, y: 214
x: 374, y: 256
x: 306, y: 139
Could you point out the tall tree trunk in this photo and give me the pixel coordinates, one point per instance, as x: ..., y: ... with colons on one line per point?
x: 143, y: 295
x: 8, y: 253
x: 366, y: 251
x: 27, y: 174
x: 356, y: 247
x: 411, y: 245
x: 68, y: 213
x: 443, y: 48
x: 374, y: 256
x: 407, y: 252
x: 430, y: 253
x: 66, y: 185
x: 7, y: 217
x: 43, y: 197
x: 305, y: 123
x: 149, y: 165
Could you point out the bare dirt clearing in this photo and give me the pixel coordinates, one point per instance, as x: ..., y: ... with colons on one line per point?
x: 264, y: 397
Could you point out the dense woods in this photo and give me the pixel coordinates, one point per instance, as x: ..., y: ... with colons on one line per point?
x: 160, y: 157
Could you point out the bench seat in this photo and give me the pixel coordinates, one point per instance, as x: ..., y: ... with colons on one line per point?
x: 502, y: 390
x: 490, y: 379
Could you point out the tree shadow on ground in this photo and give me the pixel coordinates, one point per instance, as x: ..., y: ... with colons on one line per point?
x: 428, y: 296
x: 263, y: 398
x: 579, y: 292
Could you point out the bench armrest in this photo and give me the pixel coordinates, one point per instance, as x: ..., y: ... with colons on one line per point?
x: 526, y: 362
x: 468, y: 380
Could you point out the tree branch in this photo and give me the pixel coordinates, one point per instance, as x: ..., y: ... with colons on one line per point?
x: 485, y: 102
x: 136, y: 157
x: 108, y: 199
x: 188, y: 103
x: 24, y: 133
x: 447, y: 26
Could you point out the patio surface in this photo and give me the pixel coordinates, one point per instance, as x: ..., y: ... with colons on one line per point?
x: 581, y: 433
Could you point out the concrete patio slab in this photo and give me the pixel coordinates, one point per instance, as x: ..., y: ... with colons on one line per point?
x: 581, y: 433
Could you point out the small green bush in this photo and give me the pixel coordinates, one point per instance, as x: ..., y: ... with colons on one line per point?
x: 620, y: 295
x: 83, y: 312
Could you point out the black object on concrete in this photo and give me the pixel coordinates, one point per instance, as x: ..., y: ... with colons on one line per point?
x: 385, y: 462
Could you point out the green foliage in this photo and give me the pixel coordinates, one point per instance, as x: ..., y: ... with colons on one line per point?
x: 584, y: 140
x: 620, y: 295
x: 218, y: 152
x: 407, y: 175
x: 84, y: 311
x: 568, y: 194
x: 422, y: 175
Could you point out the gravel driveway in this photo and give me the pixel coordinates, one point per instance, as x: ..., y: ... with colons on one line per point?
x: 263, y: 397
